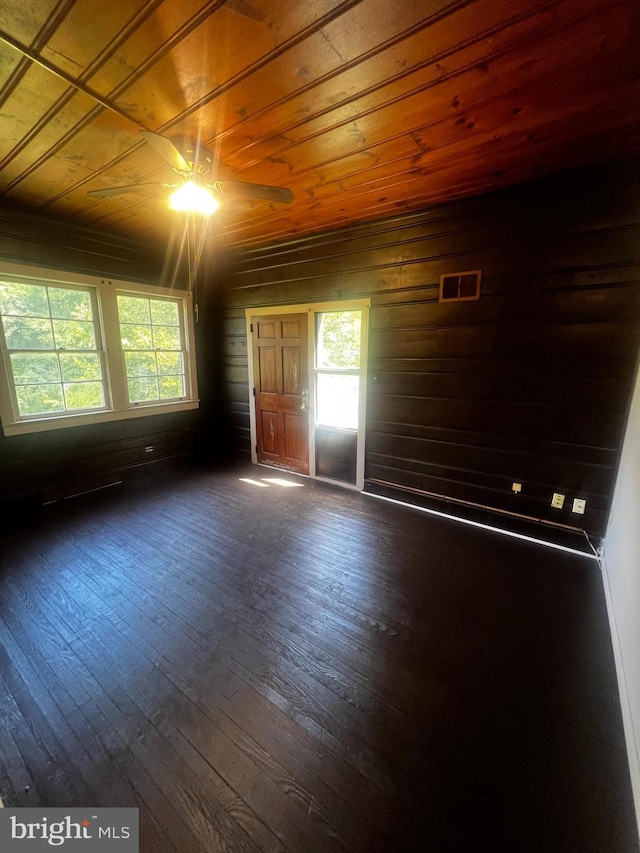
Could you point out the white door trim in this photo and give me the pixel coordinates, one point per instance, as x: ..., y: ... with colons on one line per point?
x: 311, y: 310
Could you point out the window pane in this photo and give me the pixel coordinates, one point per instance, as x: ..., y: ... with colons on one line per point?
x: 80, y: 368
x: 28, y: 333
x: 35, y: 369
x: 133, y: 309
x: 74, y: 334
x: 136, y: 337
x: 166, y: 337
x: 337, y: 400
x: 170, y: 362
x: 39, y: 399
x: 84, y: 395
x: 153, y: 355
x: 55, y: 335
x: 164, y: 313
x: 140, y: 363
x: 58, y: 380
x: 70, y: 304
x: 338, y: 339
x: 143, y: 389
x: 23, y: 299
x: 171, y: 387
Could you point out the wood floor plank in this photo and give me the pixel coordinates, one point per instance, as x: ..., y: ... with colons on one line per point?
x: 32, y: 737
x: 292, y: 645
x: 245, y: 768
x: 136, y: 669
x: 284, y: 626
x: 359, y: 753
x: 16, y: 778
x: 210, y: 666
x: 307, y: 669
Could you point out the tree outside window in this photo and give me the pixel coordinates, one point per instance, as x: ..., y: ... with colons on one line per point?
x: 52, y: 341
x: 152, y: 343
x: 338, y: 369
x: 78, y: 349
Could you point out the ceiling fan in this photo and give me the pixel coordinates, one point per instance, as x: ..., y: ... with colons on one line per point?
x: 192, y: 164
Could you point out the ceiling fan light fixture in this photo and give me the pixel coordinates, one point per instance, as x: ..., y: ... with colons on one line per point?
x: 193, y: 198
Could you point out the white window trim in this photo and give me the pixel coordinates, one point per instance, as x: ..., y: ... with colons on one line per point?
x: 117, y: 408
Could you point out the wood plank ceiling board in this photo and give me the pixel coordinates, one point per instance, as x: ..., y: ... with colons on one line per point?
x: 363, y: 108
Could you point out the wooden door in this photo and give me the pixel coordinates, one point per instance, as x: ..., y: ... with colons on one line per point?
x: 281, y: 377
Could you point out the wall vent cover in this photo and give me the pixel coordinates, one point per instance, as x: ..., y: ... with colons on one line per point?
x: 460, y: 286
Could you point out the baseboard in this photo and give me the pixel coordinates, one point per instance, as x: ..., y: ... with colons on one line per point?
x: 546, y: 531
x: 630, y: 734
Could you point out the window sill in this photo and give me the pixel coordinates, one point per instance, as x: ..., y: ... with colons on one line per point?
x: 87, y: 418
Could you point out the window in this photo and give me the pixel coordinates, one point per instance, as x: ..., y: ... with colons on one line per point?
x: 53, y: 348
x: 87, y: 350
x: 152, y: 340
x: 338, y: 369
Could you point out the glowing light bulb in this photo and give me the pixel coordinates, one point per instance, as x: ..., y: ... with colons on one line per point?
x: 192, y: 197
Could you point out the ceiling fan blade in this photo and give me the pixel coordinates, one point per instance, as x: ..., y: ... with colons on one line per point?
x: 167, y: 150
x: 240, y: 188
x: 130, y: 188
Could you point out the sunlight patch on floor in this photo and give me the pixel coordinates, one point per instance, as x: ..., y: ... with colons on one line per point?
x: 277, y: 481
x: 270, y: 481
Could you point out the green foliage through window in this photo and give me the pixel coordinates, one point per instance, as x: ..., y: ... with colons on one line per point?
x: 92, y: 348
x: 337, y: 369
x: 50, y: 334
x: 339, y: 340
x: 152, y: 344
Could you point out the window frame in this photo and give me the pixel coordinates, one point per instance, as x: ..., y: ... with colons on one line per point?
x: 104, y: 291
x: 99, y: 351
x: 122, y: 393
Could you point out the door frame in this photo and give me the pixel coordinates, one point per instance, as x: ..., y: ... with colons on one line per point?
x: 311, y: 309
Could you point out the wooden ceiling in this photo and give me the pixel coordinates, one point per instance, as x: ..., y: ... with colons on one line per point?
x: 364, y: 108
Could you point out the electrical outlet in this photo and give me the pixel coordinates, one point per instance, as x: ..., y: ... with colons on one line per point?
x: 516, y: 487
x: 579, y: 506
x: 557, y: 500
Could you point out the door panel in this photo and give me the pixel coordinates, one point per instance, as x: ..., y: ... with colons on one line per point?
x: 265, y: 329
x: 269, y: 431
x: 291, y: 370
x: 280, y: 355
x: 291, y: 328
x: 294, y: 441
x: 268, y: 369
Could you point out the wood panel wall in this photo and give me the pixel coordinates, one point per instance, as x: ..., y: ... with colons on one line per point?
x: 51, y: 464
x: 529, y: 384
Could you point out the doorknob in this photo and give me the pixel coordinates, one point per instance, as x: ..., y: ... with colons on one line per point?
x: 304, y: 405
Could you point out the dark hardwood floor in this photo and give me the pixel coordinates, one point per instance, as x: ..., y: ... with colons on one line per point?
x: 307, y: 669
